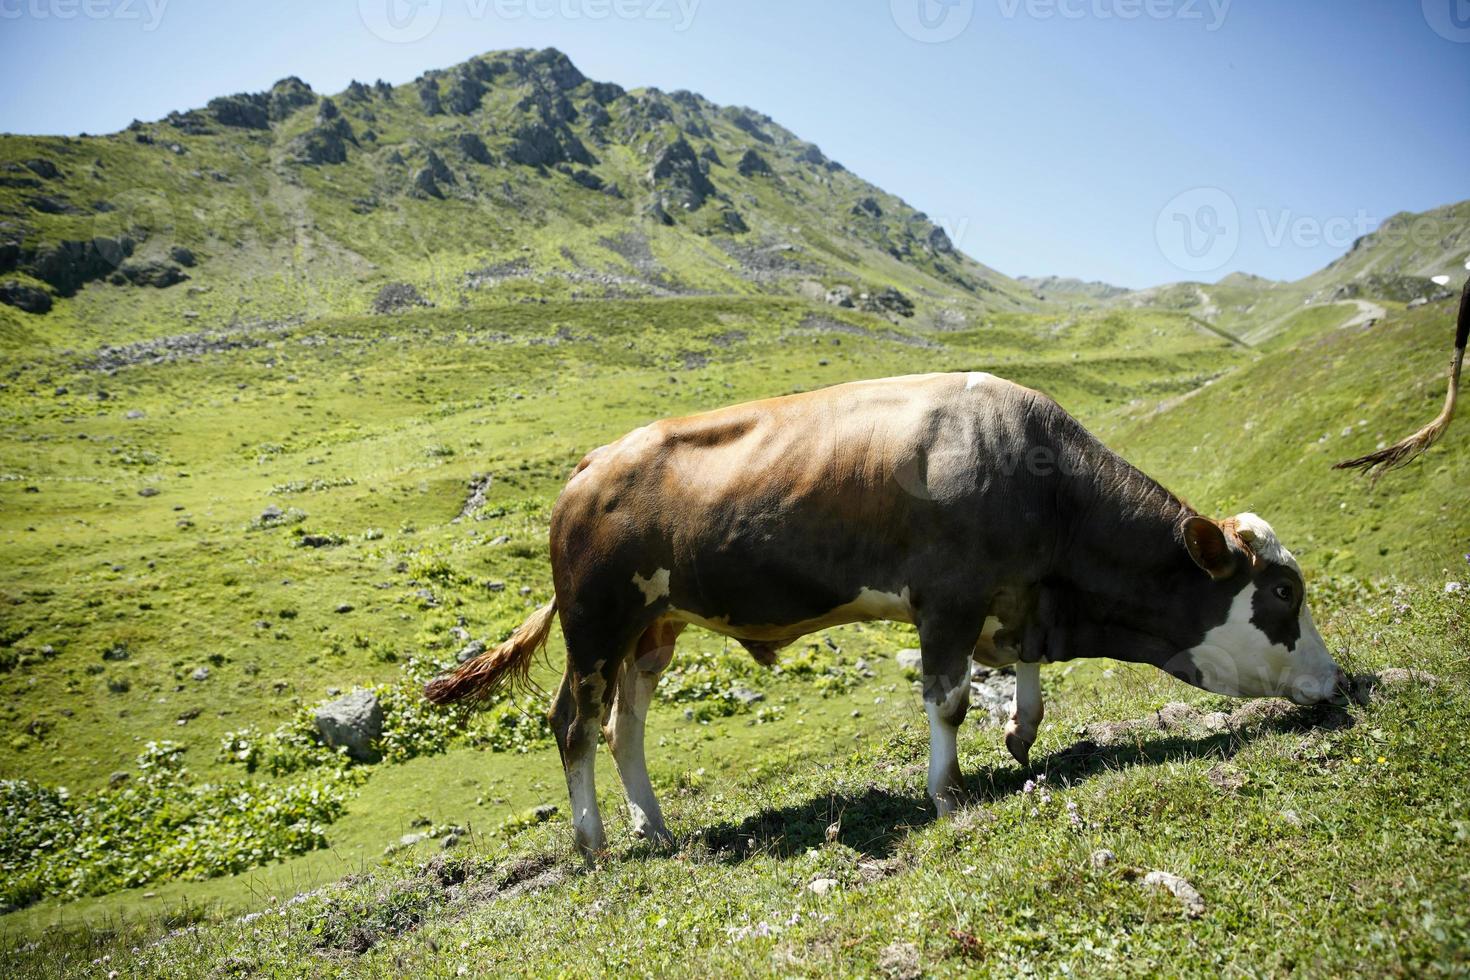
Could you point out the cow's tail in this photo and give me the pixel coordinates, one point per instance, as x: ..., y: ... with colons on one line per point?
x: 1404, y: 452
x: 508, y: 666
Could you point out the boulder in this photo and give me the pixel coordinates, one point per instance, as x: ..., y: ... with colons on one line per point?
x: 909, y: 659
x: 354, y: 722
x: 159, y: 275
x: 42, y: 168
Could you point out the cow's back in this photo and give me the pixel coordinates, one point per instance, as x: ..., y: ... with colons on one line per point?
x: 789, y: 506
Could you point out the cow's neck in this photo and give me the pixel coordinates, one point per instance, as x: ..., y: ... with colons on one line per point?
x: 1124, y: 551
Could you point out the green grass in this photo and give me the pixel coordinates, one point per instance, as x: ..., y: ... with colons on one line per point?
x: 380, y: 431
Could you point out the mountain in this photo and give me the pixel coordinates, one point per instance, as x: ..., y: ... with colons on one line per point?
x: 509, y: 176
x: 1410, y: 260
x: 1053, y: 287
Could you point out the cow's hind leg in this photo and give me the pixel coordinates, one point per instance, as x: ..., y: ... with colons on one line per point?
x: 946, y: 645
x: 1026, y: 712
x: 625, y: 727
x: 581, y: 703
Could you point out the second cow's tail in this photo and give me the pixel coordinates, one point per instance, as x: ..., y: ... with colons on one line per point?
x: 508, y: 665
x: 1407, y: 450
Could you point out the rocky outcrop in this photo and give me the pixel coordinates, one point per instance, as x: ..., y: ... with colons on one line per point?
x: 465, y: 92
x: 159, y: 275
x: 538, y: 144
x: 677, y: 171
x: 397, y: 297
x: 732, y: 222
x: 424, y: 183
x: 66, y: 265
x: 327, y: 141
x: 246, y: 110
x: 429, y: 99
x: 30, y: 299
x: 752, y: 164
x: 288, y: 95
x: 474, y: 149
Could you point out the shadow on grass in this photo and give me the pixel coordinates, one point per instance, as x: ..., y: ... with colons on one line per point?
x: 875, y: 820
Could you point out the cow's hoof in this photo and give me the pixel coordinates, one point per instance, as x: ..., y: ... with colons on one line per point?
x: 659, y: 837
x: 1020, y: 749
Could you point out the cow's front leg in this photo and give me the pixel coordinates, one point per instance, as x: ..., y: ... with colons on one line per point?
x: 1026, y: 712
x: 946, y: 663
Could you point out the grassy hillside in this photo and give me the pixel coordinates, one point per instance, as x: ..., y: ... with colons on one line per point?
x: 1387, y: 269
x: 508, y: 177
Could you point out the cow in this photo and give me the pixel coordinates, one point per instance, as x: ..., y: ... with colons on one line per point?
x: 975, y: 509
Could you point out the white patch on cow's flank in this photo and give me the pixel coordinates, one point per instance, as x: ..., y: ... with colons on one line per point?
x: 655, y: 587
x: 977, y: 378
x: 884, y: 605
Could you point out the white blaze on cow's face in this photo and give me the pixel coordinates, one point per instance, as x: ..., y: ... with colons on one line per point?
x: 1267, y: 644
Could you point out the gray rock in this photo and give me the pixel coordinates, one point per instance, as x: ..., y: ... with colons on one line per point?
x: 746, y: 696
x: 909, y: 659
x: 200, y: 674
x: 354, y: 722
x: 472, y: 650
x: 1103, y: 858
x: 1188, y: 896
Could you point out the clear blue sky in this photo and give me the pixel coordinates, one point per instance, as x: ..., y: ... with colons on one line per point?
x: 1047, y: 135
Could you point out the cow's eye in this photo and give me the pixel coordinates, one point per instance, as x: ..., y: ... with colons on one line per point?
x: 1283, y: 592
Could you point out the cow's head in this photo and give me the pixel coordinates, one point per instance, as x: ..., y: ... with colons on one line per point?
x: 1258, y: 637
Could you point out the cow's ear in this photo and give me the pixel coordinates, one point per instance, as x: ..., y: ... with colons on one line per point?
x: 1208, y: 547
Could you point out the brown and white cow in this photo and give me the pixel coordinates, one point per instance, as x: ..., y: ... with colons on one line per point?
x: 971, y: 507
